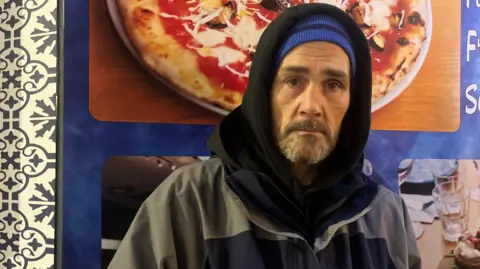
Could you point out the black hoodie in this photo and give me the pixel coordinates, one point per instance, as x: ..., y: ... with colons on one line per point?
x: 244, y: 139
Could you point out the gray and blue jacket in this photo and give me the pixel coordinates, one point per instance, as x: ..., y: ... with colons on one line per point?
x: 195, y: 220
x: 244, y: 208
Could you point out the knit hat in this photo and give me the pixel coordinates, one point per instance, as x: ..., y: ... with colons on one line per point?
x: 317, y: 28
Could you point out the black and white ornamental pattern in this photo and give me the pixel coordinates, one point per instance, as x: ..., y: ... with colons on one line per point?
x: 28, y: 58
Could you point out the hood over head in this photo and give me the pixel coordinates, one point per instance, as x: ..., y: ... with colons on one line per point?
x: 245, y: 139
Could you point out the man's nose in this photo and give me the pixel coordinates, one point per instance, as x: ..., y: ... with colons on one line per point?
x: 311, y: 102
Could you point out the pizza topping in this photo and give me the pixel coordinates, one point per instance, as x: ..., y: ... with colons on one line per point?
x: 245, y: 34
x: 403, y: 41
x: 244, y: 74
x: 227, y: 13
x: 275, y: 5
x: 205, y: 19
x: 358, y: 12
x: 376, y: 14
x: 263, y: 18
x: 416, y: 19
x: 207, y: 38
x: 225, y: 55
x: 378, y: 41
x: 389, y: 25
x: 166, y: 15
x: 397, y: 20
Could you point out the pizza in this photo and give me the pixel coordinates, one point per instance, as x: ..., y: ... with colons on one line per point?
x: 396, y: 31
x: 204, y: 48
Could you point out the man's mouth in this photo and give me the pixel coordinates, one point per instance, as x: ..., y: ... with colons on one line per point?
x: 310, y: 132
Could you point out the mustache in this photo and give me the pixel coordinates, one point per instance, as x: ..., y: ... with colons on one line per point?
x: 308, y: 126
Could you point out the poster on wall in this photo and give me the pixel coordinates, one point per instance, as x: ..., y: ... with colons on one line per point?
x: 146, y: 81
x: 194, y: 72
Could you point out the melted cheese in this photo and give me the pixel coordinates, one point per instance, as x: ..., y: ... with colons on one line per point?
x: 211, y: 4
x: 401, y: 19
x: 262, y: 17
x: 227, y: 21
x: 166, y: 15
x: 207, y: 38
x: 245, y: 75
x: 206, y: 19
x: 376, y: 14
x: 225, y: 55
x: 242, y: 8
x: 373, y: 34
x: 246, y: 34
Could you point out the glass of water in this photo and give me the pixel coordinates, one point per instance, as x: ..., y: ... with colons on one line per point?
x: 449, y: 171
x: 452, y: 201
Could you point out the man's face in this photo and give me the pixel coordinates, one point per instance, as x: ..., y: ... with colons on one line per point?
x: 310, y: 96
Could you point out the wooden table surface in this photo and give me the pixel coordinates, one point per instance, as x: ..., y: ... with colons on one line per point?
x: 121, y: 89
x: 433, y: 249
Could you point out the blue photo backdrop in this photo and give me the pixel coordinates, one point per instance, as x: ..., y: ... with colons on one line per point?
x: 87, y: 142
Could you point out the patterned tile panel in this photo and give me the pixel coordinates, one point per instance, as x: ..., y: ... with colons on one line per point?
x: 28, y: 55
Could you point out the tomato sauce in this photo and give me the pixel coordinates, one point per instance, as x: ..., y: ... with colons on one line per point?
x: 382, y: 60
x: 173, y: 26
x: 223, y: 77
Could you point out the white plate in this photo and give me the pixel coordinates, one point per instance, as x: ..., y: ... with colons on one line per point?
x: 393, y: 93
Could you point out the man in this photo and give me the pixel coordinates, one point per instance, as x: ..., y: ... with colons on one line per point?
x: 285, y: 189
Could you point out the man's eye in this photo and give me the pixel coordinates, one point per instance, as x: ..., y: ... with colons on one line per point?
x: 334, y: 86
x: 294, y: 83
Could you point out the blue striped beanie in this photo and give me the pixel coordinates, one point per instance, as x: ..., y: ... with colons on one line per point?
x: 317, y: 28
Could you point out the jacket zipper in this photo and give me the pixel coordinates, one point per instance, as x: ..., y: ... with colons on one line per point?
x: 248, y: 215
x: 282, y: 234
x: 329, y: 232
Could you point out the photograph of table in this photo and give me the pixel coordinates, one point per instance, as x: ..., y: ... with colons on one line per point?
x: 433, y: 249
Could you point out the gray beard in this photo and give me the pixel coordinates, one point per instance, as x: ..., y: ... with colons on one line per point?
x: 307, y: 149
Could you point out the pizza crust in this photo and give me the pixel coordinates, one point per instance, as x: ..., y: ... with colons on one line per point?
x: 163, y: 55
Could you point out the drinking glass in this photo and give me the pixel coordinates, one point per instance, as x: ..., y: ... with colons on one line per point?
x: 452, y: 201
x: 475, y: 193
x: 450, y: 172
